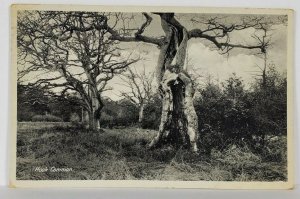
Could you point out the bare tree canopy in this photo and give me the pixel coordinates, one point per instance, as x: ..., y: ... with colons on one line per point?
x: 79, y: 58
x: 58, y: 41
x: 141, y: 86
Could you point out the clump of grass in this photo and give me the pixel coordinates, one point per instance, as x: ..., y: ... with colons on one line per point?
x: 275, y: 150
x: 116, y: 169
x: 238, y: 157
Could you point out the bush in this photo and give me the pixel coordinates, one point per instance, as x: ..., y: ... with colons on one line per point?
x: 46, y: 118
x: 152, y: 113
x: 74, y: 118
x: 231, y: 114
x: 121, y: 113
x: 107, y: 120
x: 275, y: 149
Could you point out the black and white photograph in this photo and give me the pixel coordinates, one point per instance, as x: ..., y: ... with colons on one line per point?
x: 152, y: 95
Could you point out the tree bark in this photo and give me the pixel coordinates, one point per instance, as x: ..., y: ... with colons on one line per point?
x: 95, y: 105
x: 96, y: 113
x: 94, y: 120
x: 179, y: 122
x: 141, y: 113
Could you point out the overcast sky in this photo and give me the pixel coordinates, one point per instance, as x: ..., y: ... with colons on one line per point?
x: 202, y: 55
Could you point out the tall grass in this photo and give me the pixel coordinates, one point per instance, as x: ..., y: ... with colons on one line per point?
x: 121, y: 154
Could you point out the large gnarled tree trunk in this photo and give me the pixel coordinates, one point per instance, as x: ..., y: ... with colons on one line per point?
x: 179, y: 122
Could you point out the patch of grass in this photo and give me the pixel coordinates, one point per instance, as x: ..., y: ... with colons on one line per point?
x: 121, y: 154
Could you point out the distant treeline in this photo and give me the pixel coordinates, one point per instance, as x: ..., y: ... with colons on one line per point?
x: 227, y: 112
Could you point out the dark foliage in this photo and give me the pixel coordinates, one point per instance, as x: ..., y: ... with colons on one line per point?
x: 152, y: 113
x: 230, y: 114
x: 31, y: 101
x: 34, y: 100
x: 123, y: 114
x: 118, y: 114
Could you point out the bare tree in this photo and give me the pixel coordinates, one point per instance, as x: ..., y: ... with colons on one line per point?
x: 264, y: 37
x: 141, y: 86
x: 67, y: 54
x: 179, y: 121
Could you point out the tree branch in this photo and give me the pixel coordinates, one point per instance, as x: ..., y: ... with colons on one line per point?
x: 137, y: 35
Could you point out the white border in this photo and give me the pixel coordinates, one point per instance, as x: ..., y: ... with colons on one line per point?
x: 250, y: 3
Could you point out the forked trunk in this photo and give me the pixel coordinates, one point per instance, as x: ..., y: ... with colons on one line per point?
x: 179, y: 122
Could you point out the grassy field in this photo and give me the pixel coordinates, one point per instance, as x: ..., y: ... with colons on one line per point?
x: 121, y: 154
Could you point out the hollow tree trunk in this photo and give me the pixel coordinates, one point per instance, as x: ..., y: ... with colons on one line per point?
x: 179, y: 122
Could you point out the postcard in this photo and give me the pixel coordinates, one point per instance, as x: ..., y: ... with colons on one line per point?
x: 159, y: 97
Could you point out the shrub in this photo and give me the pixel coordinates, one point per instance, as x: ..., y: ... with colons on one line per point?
x: 107, y: 120
x: 74, y: 118
x: 46, y: 118
x: 231, y: 114
x: 152, y: 113
x: 275, y: 150
x: 237, y: 157
x: 121, y: 113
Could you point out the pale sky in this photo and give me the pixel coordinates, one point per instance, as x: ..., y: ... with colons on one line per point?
x: 201, y: 54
